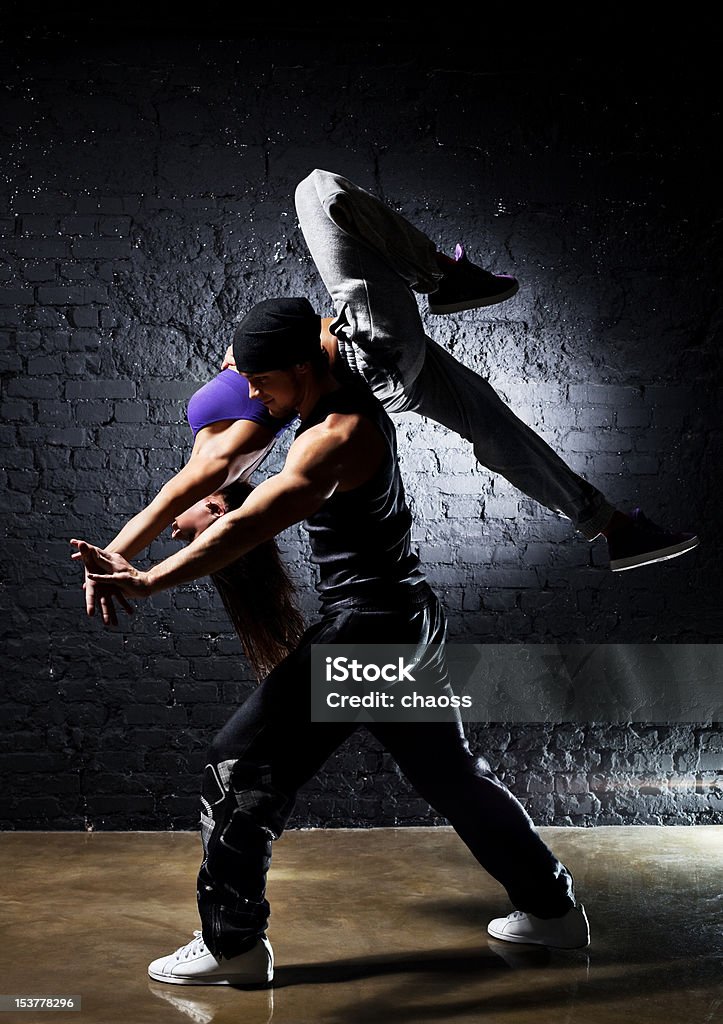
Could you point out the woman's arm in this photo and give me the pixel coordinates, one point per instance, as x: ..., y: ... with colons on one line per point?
x: 222, y: 453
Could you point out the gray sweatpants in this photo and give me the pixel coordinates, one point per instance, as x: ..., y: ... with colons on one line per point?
x: 371, y: 260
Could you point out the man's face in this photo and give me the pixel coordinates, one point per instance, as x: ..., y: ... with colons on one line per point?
x: 191, y: 523
x: 279, y: 390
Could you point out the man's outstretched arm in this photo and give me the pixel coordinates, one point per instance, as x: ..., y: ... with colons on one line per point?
x: 316, y: 465
x: 220, y: 455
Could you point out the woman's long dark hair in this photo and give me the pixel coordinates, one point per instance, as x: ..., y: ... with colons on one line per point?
x: 259, y: 597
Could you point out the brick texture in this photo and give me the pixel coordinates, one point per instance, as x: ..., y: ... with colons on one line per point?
x: 146, y: 203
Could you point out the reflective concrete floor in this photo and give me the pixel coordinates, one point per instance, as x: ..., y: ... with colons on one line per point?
x: 368, y: 926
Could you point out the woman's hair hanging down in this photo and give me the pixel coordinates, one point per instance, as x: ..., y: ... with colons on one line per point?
x: 259, y: 597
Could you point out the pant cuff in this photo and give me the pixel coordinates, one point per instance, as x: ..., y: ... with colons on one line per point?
x: 592, y: 525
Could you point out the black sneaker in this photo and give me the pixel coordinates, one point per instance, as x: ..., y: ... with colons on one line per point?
x: 467, y: 286
x: 640, y: 542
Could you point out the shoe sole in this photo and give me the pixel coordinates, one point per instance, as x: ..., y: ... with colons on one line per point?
x: 649, y: 557
x: 521, y: 941
x: 213, y: 980
x: 459, y: 307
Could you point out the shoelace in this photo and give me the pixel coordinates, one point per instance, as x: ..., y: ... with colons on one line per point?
x: 192, y: 948
x: 516, y: 915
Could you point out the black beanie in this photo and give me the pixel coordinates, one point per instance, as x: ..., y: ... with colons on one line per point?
x: 276, y: 334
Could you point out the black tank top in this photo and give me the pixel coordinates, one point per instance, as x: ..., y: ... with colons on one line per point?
x: 360, y: 539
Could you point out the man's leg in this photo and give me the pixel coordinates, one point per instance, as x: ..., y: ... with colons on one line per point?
x: 493, y: 824
x: 369, y: 258
x: 485, y: 814
x: 361, y: 249
x: 449, y: 393
x: 256, y: 764
x: 437, y: 760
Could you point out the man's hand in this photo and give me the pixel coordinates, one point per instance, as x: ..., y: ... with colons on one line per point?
x: 99, y: 595
x: 109, y: 576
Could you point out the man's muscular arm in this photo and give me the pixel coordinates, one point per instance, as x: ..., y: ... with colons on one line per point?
x: 220, y: 454
x: 339, y: 454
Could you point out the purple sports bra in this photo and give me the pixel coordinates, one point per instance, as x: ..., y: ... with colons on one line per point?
x: 226, y: 397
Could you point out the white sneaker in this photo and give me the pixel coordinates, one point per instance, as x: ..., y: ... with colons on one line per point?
x: 194, y: 964
x: 571, y: 931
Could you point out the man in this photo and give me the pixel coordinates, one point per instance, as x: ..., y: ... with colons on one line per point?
x: 341, y: 477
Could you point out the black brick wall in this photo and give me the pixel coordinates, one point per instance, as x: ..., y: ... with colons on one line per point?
x: 146, y: 202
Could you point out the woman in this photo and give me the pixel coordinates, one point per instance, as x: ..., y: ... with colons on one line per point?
x: 233, y: 433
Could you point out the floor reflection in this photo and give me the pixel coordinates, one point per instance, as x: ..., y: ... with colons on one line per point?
x: 384, y: 925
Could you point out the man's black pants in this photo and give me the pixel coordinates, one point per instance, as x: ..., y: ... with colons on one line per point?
x: 269, y: 748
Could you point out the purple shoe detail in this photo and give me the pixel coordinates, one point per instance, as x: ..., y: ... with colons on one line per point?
x: 467, y: 286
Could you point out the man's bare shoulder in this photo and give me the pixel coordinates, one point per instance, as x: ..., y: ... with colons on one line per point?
x: 341, y: 429
x: 350, y: 441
